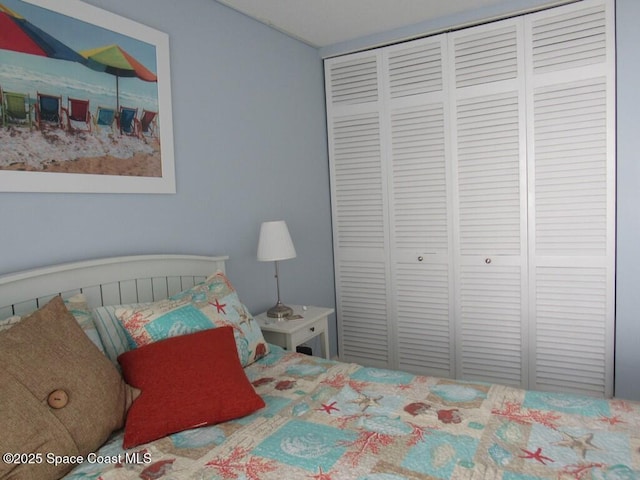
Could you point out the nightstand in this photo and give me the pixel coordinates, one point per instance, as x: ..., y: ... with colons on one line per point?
x: 289, y: 333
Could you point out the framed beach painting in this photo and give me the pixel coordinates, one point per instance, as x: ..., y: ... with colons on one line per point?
x: 85, y: 101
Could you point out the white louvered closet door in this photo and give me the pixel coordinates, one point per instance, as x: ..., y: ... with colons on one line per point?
x: 359, y: 207
x: 571, y: 121
x: 473, y: 197
x: 489, y: 163
x: 420, y: 216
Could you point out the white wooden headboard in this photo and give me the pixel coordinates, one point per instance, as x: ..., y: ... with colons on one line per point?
x: 106, y: 281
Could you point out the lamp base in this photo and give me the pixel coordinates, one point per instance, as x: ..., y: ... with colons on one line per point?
x: 279, y: 310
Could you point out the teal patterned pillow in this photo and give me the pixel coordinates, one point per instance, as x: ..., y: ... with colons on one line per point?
x: 211, y: 304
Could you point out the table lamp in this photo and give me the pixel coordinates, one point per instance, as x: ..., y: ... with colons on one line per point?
x: 274, y: 245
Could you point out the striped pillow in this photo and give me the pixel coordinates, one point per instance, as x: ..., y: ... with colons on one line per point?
x: 115, y: 339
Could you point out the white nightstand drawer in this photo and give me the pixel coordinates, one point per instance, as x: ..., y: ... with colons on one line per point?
x: 308, y: 333
x: 289, y: 333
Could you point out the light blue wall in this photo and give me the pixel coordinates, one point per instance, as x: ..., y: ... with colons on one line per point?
x: 250, y: 146
x: 628, y: 248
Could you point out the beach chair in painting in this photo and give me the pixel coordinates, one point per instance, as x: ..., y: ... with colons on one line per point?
x: 104, y: 117
x: 127, y: 121
x: 147, y: 124
x: 78, y: 115
x: 16, y: 109
x: 48, y: 111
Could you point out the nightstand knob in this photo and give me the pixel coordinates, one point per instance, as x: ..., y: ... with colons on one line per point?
x: 420, y: 258
x: 487, y: 261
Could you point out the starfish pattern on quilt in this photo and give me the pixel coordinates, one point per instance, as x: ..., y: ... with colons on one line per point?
x: 579, y: 444
x: 365, y: 401
x: 612, y: 420
x: 537, y: 455
x: 329, y: 408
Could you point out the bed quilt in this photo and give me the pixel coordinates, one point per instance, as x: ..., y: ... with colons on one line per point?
x: 326, y: 420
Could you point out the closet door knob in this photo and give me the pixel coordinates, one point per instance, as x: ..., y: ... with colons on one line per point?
x: 487, y: 261
x: 420, y: 258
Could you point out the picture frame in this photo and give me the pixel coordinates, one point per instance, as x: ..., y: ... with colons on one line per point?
x: 132, y: 154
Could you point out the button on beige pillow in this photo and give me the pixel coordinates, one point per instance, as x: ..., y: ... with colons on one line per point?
x: 59, y: 395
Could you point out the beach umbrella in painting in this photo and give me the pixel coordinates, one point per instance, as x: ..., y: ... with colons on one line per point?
x: 19, y: 35
x: 116, y: 61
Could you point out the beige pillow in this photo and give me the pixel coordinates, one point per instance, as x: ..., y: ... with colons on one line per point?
x: 59, y: 395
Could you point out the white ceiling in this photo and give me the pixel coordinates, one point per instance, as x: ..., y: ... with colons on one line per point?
x: 326, y: 22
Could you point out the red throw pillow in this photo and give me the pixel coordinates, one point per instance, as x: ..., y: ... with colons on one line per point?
x: 186, y: 382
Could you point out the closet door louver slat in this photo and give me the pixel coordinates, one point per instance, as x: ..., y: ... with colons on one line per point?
x: 570, y: 307
x: 571, y: 169
x: 491, y: 318
x: 419, y: 179
x: 358, y: 181
x: 363, y: 307
x: 486, y: 57
x: 488, y: 160
x: 423, y: 318
x: 415, y: 71
x: 568, y: 40
x: 354, y: 81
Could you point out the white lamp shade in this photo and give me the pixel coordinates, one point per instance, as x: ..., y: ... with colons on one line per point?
x: 275, y: 242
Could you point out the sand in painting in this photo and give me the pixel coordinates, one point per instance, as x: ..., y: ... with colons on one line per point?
x: 99, y: 152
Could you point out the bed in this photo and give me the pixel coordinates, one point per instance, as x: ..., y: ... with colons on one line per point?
x: 302, y: 416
